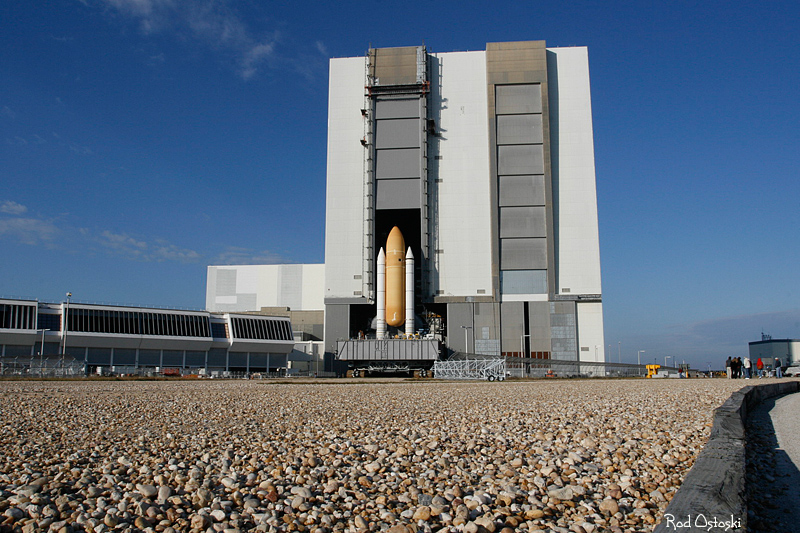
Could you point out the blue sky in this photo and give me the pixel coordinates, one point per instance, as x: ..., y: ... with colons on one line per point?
x: 142, y: 140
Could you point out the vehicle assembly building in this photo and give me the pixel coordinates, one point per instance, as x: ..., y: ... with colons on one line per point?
x: 481, y: 166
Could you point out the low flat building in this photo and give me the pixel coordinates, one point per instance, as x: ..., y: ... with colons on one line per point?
x: 767, y: 349
x: 136, y: 340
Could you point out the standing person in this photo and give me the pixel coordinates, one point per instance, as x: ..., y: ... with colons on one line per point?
x: 736, y: 365
x: 778, y: 368
x: 728, y: 367
x: 760, y: 367
x: 746, y: 364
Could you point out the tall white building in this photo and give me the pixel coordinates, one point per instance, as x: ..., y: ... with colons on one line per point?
x: 485, y: 161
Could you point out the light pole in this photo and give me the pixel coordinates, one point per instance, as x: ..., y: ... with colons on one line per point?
x: 466, y: 338
x: 66, y: 329
x: 619, y: 351
x: 41, y: 353
x: 639, y: 359
x: 665, y: 359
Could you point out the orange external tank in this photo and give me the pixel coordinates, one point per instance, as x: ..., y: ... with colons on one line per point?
x: 395, y: 278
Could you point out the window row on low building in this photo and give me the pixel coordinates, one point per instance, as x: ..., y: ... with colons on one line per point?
x: 17, y: 316
x: 87, y: 320
x: 22, y: 316
x: 261, y: 329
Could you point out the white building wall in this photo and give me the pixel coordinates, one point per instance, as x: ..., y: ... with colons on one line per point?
x: 464, y: 210
x: 575, y: 195
x: 238, y: 288
x: 344, y: 231
x: 590, y: 331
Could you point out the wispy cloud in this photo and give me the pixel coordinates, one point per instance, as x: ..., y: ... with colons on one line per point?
x: 11, y: 207
x: 715, y: 339
x: 213, y: 23
x: 38, y: 231
x: 247, y: 256
x: 28, y: 230
x: 7, y: 112
x: 16, y: 141
x: 133, y: 248
x: 79, y: 149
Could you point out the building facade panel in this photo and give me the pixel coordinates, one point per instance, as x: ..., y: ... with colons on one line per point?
x: 345, y: 194
x: 461, y: 222
x: 575, y: 196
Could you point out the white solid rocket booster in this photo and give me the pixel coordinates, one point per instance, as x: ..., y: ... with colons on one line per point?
x: 380, y: 330
x: 409, y: 293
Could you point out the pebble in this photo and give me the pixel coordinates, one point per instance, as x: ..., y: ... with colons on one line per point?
x: 395, y: 456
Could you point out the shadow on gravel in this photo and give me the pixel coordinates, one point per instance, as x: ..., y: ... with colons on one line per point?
x: 772, y: 479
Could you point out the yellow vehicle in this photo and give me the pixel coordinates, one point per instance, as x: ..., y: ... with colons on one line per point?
x: 652, y: 370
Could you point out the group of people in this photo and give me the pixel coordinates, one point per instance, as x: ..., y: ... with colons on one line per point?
x: 737, y: 368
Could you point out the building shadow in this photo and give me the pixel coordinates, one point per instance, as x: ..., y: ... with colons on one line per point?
x: 772, y: 478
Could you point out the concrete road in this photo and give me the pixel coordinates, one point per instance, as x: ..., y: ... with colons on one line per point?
x: 773, y: 473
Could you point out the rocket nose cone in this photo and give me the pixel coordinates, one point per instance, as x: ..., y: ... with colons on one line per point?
x: 395, y: 242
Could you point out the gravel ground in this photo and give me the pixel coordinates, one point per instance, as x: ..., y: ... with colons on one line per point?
x: 565, y: 456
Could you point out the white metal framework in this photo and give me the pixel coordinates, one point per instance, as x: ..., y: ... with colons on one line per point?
x: 486, y: 369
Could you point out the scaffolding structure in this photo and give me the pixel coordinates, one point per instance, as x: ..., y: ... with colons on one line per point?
x: 477, y: 369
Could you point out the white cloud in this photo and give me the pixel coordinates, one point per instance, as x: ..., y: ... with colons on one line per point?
x: 81, y: 150
x: 35, y: 231
x: 163, y: 251
x: 28, y: 230
x: 253, y: 57
x: 12, y: 208
x: 123, y: 243
x: 160, y: 250
x: 213, y: 23
x: 247, y: 256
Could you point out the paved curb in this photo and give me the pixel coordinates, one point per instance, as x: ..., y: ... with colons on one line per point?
x: 712, y: 497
